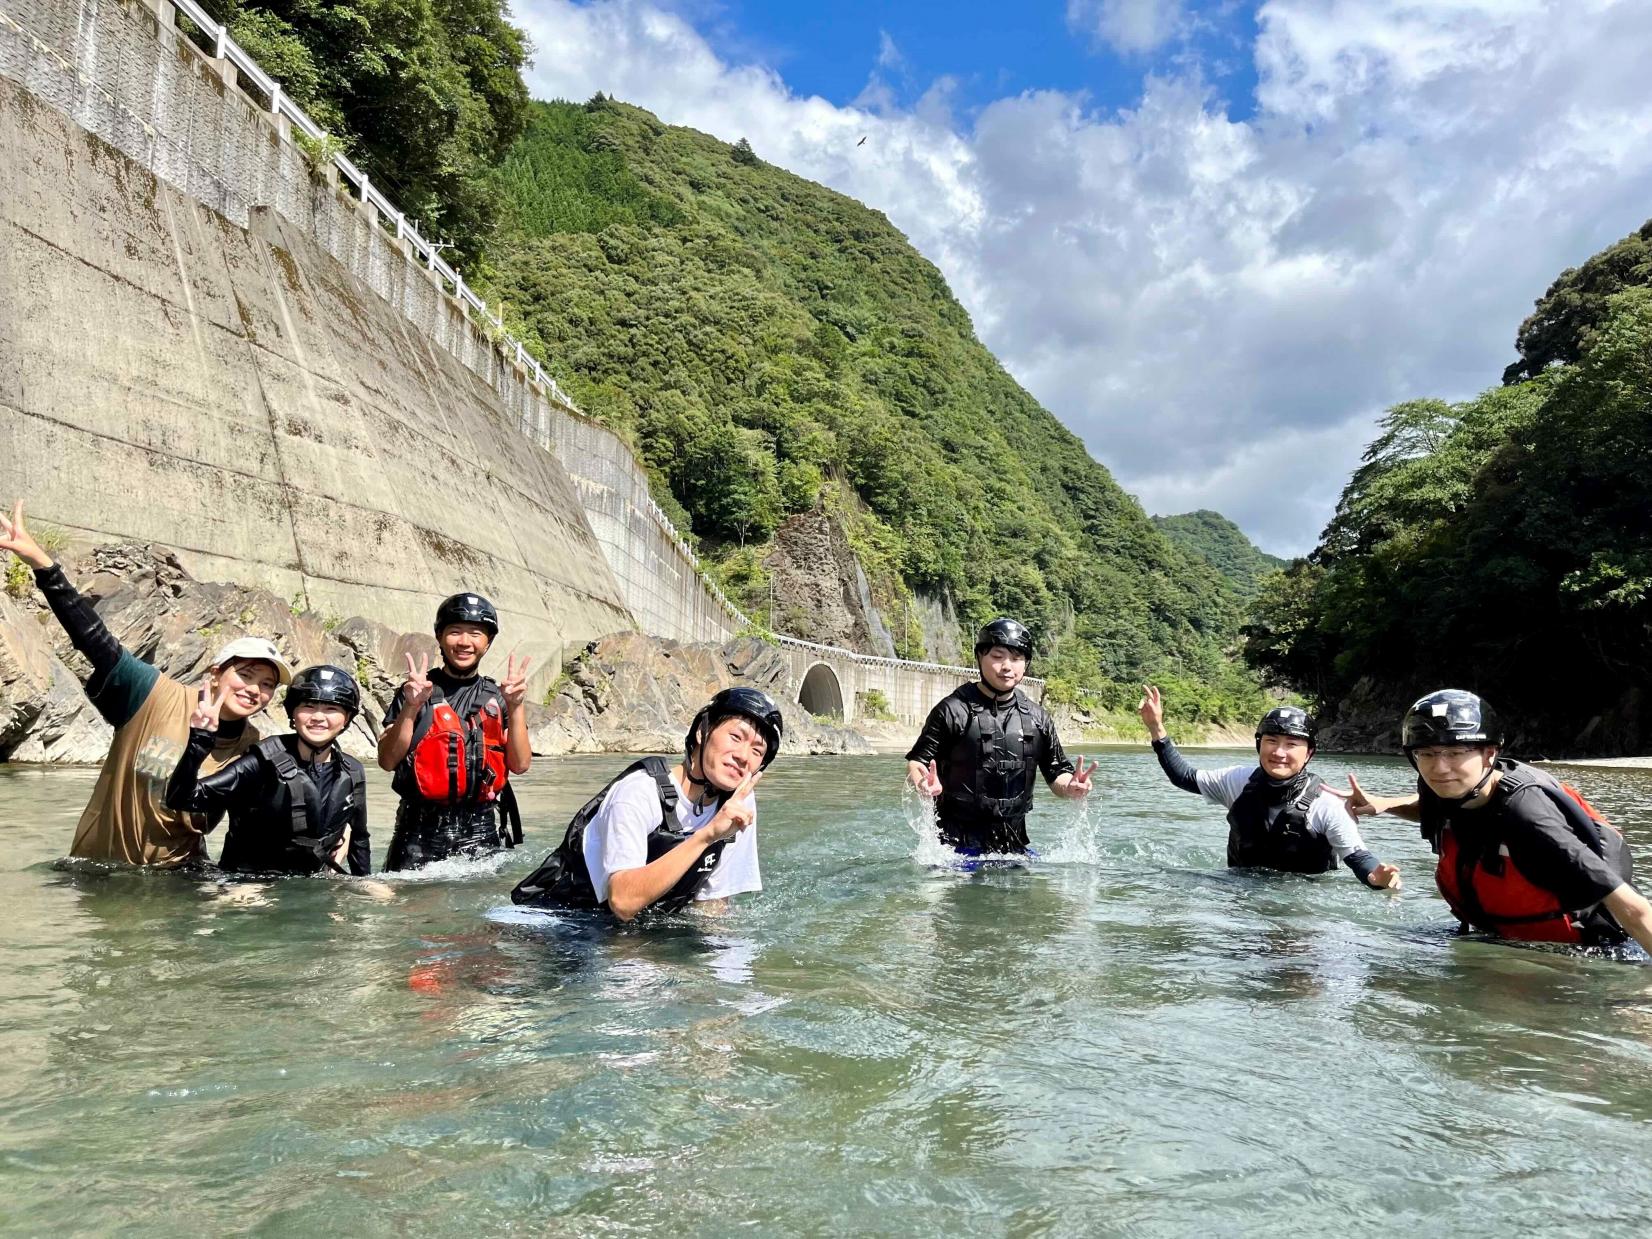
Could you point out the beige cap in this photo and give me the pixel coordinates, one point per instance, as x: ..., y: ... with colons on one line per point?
x: 255, y: 649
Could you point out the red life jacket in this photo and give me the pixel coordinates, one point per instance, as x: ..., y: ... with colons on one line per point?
x: 455, y: 760
x: 1488, y: 891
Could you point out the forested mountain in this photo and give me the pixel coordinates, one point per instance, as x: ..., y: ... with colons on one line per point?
x: 769, y: 345
x: 1503, y: 544
x: 1221, y: 544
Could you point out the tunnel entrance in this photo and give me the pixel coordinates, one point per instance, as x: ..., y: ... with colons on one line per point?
x: 821, y: 694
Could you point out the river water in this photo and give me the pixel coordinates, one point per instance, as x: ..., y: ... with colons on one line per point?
x: 1122, y: 1038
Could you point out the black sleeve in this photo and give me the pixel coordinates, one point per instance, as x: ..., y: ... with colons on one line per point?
x: 360, y: 858
x: 88, y: 633
x: 1176, y: 767
x: 186, y: 791
x: 1052, y: 758
x: 1542, y: 846
x: 1363, y: 862
x: 935, y: 738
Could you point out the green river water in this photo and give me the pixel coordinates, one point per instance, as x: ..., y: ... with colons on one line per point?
x: 1124, y: 1038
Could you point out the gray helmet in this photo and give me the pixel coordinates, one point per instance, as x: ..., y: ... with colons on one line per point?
x: 324, y: 685
x: 468, y: 609
x: 738, y: 702
x: 1288, y: 721
x: 1011, y: 634
x: 1450, y: 716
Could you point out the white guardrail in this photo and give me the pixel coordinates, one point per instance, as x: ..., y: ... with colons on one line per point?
x: 225, y: 48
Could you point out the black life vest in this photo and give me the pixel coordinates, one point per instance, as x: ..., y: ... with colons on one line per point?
x: 991, y: 768
x: 294, y: 829
x: 1486, y: 890
x: 455, y: 760
x: 1268, y: 827
x: 564, y: 881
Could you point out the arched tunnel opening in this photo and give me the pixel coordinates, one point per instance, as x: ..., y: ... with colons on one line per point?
x: 820, y: 693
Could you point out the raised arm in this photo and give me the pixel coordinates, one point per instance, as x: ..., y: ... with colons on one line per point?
x: 398, y: 736
x: 86, y: 631
x: 1176, y: 767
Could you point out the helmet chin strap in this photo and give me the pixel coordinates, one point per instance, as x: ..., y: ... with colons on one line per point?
x: 1467, y: 796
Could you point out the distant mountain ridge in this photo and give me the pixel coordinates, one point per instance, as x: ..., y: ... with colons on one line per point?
x: 1221, y: 544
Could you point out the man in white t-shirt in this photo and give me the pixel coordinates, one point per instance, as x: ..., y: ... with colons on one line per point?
x: 662, y: 837
x: 1279, y: 815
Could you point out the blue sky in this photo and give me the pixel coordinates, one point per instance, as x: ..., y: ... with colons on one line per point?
x: 1216, y: 239
x: 989, y: 50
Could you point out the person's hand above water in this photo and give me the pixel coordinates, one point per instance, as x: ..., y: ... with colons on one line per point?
x: 417, y: 689
x: 926, y: 778
x: 1075, y: 786
x: 16, y: 539
x: 1151, y: 709
x: 514, y: 686
x: 209, y: 706
x: 1385, y: 877
x: 736, y: 814
x: 1361, y: 803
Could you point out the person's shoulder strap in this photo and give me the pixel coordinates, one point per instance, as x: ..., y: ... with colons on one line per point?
x: 279, y: 756
x: 660, y: 771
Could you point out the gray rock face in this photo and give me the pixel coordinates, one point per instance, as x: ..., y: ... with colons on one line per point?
x: 631, y: 693
x: 820, y: 591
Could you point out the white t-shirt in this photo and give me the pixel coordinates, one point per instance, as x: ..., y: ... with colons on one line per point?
x: 1327, y: 816
x: 616, y: 839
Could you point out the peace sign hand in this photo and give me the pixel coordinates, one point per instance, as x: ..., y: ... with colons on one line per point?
x: 515, y: 684
x: 736, y: 814
x: 208, y: 706
x: 927, y: 779
x: 416, y: 691
x: 15, y: 538
x: 1079, y: 783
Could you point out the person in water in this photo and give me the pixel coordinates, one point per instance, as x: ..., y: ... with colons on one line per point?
x: 1520, y: 854
x: 660, y: 837
x: 1280, y: 816
x: 982, y: 745
x: 296, y: 803
x: 453, y: 737
x: 127, y: 821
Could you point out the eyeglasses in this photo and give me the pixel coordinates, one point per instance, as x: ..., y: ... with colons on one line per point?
x: 1450, y: 755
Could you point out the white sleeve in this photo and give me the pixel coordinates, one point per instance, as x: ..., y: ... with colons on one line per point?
x: 1223, y: 786
x: 1329, y: 816
x: 616, y: 839
x: 737, y: 873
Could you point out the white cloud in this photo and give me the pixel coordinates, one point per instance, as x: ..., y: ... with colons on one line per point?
x: 1128, y: 25
x: 1219, y: 307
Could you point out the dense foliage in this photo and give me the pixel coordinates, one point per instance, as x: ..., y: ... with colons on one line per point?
x: 1503, y: 544
x: 1562, y: 326
x: 1221, y: 544
x: 769, y: 345
x: 426, y: 95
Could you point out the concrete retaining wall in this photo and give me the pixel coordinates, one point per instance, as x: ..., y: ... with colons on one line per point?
x: 168, y: 376
x: 126, y: 77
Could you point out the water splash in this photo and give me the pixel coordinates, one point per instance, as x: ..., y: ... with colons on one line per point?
x: 1078, y: 842
x: 921, y: 817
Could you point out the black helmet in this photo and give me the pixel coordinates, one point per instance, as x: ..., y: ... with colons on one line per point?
x: 1011, y: 634
x: 1288, y: 721
x: 324, y: 685
x: 1450, y: 716
x: 748, y: 703
x: 468, y: 609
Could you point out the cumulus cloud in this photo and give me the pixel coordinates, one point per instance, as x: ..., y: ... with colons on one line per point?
x: 1127, y: 25
x: 1220, y: 307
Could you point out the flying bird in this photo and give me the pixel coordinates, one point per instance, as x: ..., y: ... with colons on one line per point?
x: 862, y: 141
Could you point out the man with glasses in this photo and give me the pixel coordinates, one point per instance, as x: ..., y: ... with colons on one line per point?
x: 1521, y: 855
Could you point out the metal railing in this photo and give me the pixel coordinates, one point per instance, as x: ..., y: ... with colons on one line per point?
x: 225, y: 48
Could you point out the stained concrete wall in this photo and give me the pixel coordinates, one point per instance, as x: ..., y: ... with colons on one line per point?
x: 168, y: 376
x: 124, y: 74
